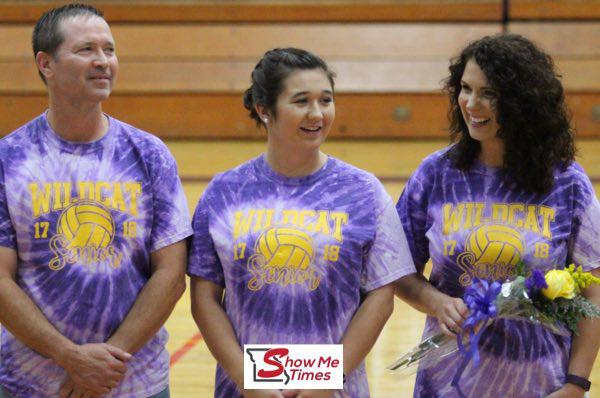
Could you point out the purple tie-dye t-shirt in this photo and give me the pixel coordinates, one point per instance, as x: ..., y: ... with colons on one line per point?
x: 476, y: 224
x: 295, y: 255
x: 84, y: 219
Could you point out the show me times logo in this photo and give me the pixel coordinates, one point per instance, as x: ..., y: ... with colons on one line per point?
x: 293, y: 366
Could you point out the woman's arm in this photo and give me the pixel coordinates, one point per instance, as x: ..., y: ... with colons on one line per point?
x: 360, y: 336
x: 584, y: 348
x: 218, y: 333
x: 416, y: 290
x: 366, y: 325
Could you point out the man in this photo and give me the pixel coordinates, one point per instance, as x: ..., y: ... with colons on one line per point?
x: 93, y: 222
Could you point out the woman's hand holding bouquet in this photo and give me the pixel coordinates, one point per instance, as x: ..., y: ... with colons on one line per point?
x: 552, y: 299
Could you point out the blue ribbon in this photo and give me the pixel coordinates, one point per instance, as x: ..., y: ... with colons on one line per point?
x: 479, y: 297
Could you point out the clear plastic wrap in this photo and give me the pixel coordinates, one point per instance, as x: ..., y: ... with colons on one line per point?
x: 512, y: 302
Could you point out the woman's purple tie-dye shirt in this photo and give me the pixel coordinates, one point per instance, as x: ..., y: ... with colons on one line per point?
x: 84, y: 219
x: 296, y: 255
x: 475, y: 224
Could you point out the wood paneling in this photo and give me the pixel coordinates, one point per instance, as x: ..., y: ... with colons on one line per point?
x: 585, y: 109
x: 291, y: 11
x: 580, y: 74
x: 223, y: 116
x: 575, y: 48
x: 186, y: 42
x: 225, y: 77
x: 233, y: 76
x: 200, y: 160
x: 563, y: 39
x: 183, y: 77
x: 395, y: 160
x: 555, y: 9
x: 197, y: 59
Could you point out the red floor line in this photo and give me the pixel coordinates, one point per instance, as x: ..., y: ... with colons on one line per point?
x: 191, y: 343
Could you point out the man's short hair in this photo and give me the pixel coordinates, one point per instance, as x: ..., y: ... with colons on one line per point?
x: 46, y: 34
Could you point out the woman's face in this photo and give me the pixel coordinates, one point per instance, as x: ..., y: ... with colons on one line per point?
x: 305, y: 111
x: 477, y: 102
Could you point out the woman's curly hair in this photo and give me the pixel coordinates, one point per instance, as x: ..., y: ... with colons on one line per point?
x: 530, y: 109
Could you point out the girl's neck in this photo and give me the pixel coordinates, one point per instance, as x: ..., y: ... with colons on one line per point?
x: 295, y: 164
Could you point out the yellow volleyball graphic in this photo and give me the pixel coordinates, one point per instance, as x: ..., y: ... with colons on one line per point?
x: 496, y: 244
x: 285, y: 247
x: 86, y: 223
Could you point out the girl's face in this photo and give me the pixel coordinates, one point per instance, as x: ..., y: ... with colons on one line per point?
x: 477, y: 102
x: 305, y: 111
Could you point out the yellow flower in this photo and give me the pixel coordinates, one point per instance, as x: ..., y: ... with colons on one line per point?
x: 560, y: 284
x: 582, y: 279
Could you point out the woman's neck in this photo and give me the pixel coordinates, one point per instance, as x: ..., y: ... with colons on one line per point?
x: 299, y: 164
x: 492, y: 153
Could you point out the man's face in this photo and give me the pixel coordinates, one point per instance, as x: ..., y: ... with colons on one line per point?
x: 84, y: 67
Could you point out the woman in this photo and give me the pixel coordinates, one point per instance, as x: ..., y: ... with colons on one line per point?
x: 507, y: 190
x: 305, y: 246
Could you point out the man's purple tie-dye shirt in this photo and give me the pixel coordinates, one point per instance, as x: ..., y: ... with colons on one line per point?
x: 296, y: 255
x: 476, y: 224
x: 84, y: 219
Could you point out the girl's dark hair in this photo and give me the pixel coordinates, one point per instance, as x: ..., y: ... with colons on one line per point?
x: 270, y: 72
x: 530, y: 108
x: 47, y: 36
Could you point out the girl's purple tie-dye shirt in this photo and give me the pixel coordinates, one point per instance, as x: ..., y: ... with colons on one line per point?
x: 84, y: 219
x: 296, y: 255
x: 475, y: 224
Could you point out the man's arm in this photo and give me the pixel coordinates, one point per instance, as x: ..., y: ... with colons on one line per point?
x: 156, y: 300
x: 150, y: 310
x: 94, y: 366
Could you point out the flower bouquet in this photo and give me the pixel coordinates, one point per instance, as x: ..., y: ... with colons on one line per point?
x: 552, y: 300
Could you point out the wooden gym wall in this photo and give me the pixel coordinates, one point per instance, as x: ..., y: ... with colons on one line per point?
x: 185, y: 64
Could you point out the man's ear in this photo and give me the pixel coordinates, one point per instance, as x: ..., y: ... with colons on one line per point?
x: 43, y: 61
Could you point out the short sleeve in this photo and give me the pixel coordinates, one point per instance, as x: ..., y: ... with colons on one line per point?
x: 203, y: 259
x: 171, y: 218
x: 8, y: 235
x: 583, y: 244
x: 412, y: 209
x: 388, y: 258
